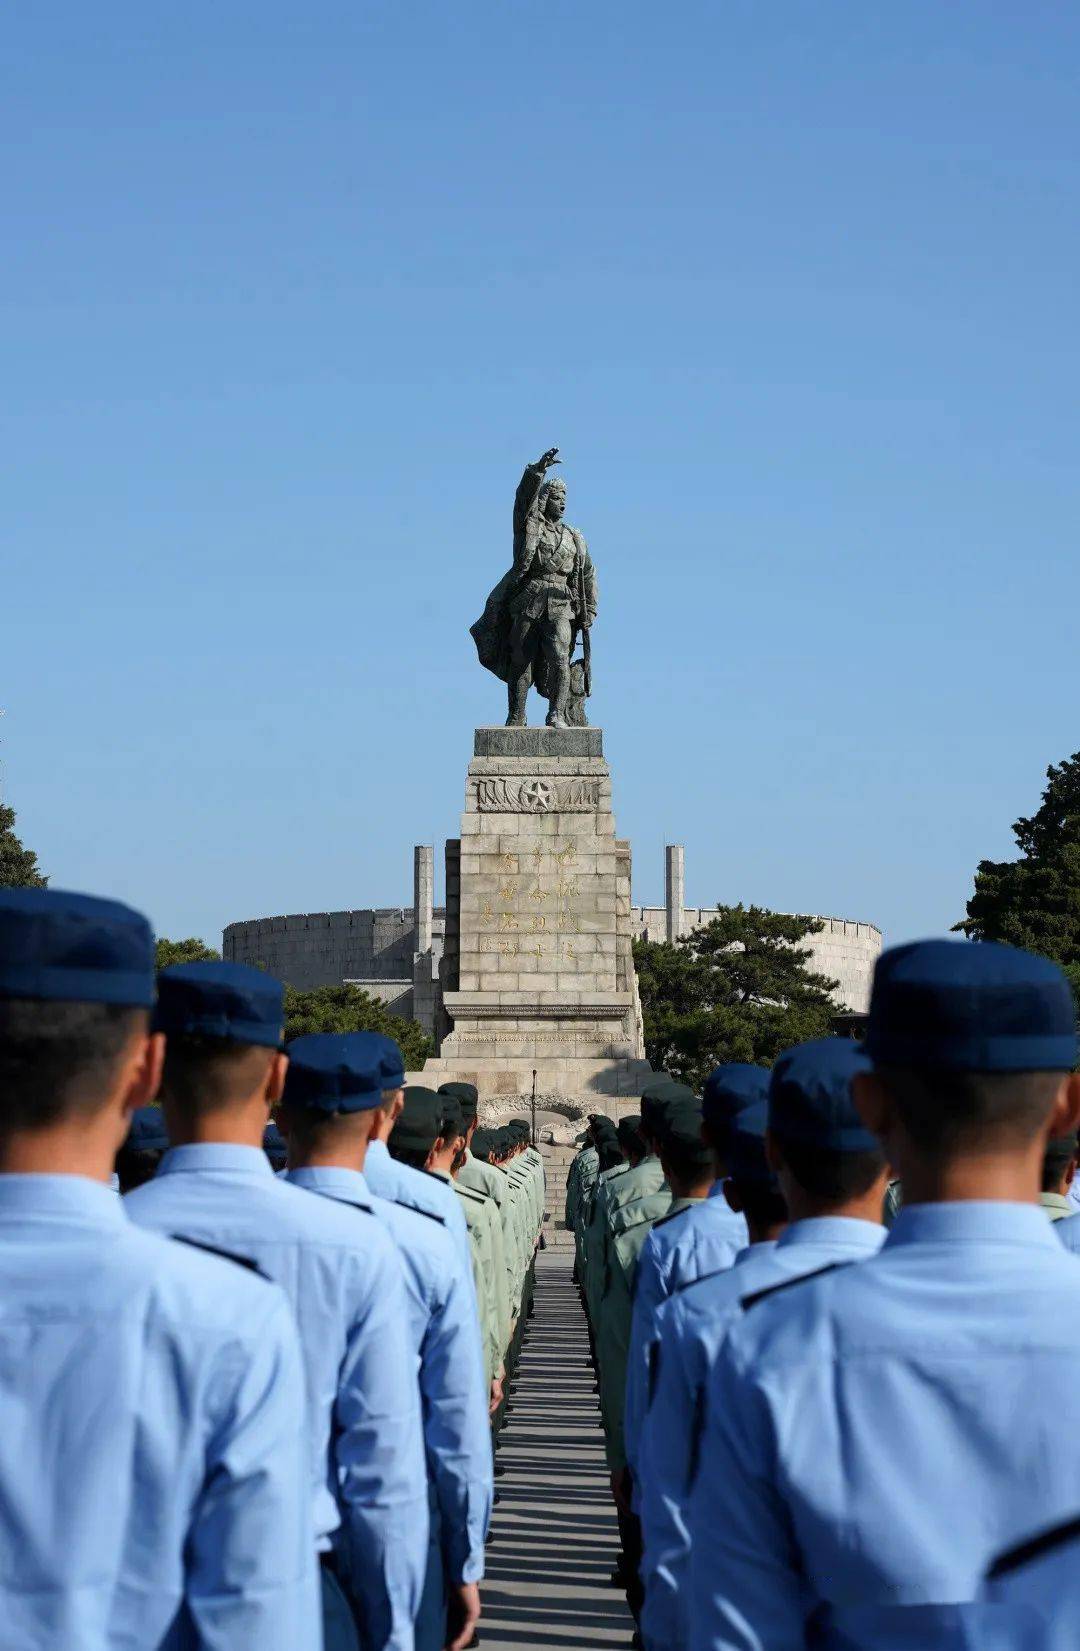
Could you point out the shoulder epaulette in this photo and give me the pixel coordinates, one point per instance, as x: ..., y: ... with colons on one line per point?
x: 332, y: 1197
x: 672, y: 1215
x: 467, y: 1192
x: 688, y: 1283
x: 746, y: 1302
x: 226, y: 1255
x: 1034, y: 1548
x: 430, y: 1173
x: 418, y: 1209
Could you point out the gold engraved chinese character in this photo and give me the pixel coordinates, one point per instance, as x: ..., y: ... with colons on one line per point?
x: 510, y: 863
x: 568, y: 888
x: 507, y: 947
x: 566, y: 858
x: 487, y: 914
x: 571, y: 921
x: 570, y: 952
x: 538, y: 858
x: 537, y: 950
x: 538, y: 895
x: 507, y: 891
x: 507, y: 920
x: 539, y: 921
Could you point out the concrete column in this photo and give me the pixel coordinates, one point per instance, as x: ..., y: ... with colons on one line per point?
x: 423, y: 896
x: 674, y: 888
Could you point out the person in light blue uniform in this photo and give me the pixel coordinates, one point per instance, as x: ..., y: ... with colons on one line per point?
x: 224, y: 1070
x: 409, y: 1184
x: 152, y: 1482
x: 875, y: 1434
x: 328, y: 1127
x: 701, y: 1234
x: 831, y: 1176
x: 1067, y: 1231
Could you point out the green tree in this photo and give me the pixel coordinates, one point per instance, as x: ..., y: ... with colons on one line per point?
x: 18, y: 865
x: 348, y: 1009
x: 185, y: 951
x: 1034, y: 901
x: 738, y: 989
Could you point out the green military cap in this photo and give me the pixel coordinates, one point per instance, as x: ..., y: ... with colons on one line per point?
x: 466, y: 1094
x: 681, y: 1129
x: 482, y: 1144
x: 659, y: 1097
x: 424, y: 1117
x: 609, y: 1153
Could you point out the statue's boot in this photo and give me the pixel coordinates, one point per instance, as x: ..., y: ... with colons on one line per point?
x: 519, y: 693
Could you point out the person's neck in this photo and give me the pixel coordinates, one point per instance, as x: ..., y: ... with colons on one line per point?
x: 236, y: 1128
x: 1000, y: 1178
x: 684, y: 1191
x: 869, y: 1207
x: 58, y: 1152
x: 767, y: 1234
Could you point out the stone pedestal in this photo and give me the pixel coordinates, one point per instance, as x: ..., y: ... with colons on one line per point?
x: 538, y: 970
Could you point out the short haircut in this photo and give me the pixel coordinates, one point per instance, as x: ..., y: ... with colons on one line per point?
x: 203, y: 1075
x: 1056, y: 1160
x: 945, y: 1113
x: 832, y: 1177
x: 310, y: 1128
x: 687, y: 1160
x: 763, y: 1205
x: 57, y: 1060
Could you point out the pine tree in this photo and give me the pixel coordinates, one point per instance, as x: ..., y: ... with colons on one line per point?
x: 1034, y: 901
x: 738, y: 989
x: 185, y: 951
x: 18, y: 865
x: 348, y: 1009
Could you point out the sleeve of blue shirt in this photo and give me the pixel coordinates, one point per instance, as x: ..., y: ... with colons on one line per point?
x: 251, y: 1574
x: 381, y: 1470
x: 665, y: 1455
x: 457, y: 1430
x: 746, y: 1588
x: 650, y: 1290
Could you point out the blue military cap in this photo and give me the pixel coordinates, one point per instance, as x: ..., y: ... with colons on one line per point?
x: 810, y: 1097
x: 382, y: 1054
x: 951, y: 1005
x: 328, y: 1073
x: 275, y: 1146
x: 228, y: 1001
x: 147, y: 1132
x: 728, y: 1089
x: 74, y: 948
x: 746, y: 1147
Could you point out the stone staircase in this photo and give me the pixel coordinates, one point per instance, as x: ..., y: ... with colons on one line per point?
x: 557, y: 1161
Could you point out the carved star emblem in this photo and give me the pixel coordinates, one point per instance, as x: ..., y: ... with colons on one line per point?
x: 536, y: 796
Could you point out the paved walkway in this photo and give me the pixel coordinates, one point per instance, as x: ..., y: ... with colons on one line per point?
x: 554, y: 1538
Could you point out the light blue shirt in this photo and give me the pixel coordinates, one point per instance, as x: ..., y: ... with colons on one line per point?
x: 690, y: 1329
x: 1067, y: 1231
x: 875, y: 1436
x: 704, y: 1237
x: 457, y: 1432
x: 341, y: 1273
x: 420, y: 1190
x: 150, y: 1463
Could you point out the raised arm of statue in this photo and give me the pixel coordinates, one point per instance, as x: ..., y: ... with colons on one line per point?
x: 525, y: 500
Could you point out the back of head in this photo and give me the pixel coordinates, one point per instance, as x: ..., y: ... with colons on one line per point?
x: 76, y: 987
x: 659, y: 1097
x: 728, y: 1089
x: 467, y: 1098
x: 630, y: 1138
x: 830, y: 1154
x: 971, y: 1041
x: 755, y: 1183
x: 223, y: 1025
x: 332, y: 1088
x: 426, y: 1117
x: 684, y: 1154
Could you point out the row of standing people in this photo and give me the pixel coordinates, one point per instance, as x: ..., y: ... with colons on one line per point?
x: 822, y: 1430
x: 243, y: 1408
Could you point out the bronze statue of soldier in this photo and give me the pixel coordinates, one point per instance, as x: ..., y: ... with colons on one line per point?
x: 527, y: 631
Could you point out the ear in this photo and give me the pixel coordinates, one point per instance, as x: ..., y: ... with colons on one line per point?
x: 873, y: 1104
x: 1065, y: 1113
x: 733, y: 1196
x: 275, y: 1079
x: 438, y: 1147
x: 142, y: 1080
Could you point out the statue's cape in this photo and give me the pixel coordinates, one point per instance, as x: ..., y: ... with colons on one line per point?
x: 491, y: 633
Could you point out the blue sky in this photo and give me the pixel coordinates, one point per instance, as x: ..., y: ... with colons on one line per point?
x: 289, y: 296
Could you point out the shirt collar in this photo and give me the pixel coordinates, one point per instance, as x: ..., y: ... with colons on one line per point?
x: 973, y: 1221
x: 1056, y: 1201
x: 833, y: 1229
x: 717, y: 1190
x: 60, y: 1197
x: 763, y: 1248
x: 333, y: 1182
x: 378, y: 1150
x: 680, y: 1204
x: 218, y: 1156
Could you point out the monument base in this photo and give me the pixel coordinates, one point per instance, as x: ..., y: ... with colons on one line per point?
x: 538, y: 971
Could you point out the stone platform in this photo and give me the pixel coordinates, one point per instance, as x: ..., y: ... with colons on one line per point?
x: 538, y: 970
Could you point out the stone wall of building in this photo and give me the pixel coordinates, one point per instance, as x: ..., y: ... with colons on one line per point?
x: 324, y: 948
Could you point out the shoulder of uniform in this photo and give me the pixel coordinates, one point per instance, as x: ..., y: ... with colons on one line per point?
x: 214, y: 1249
x: 469, y: 1194
x: 746, y: 1302
x: 418, y: 1209
x: 430, y: 1173
x: 702, y: 1278
x: 672, y: 1215
x: 349, y: 1203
